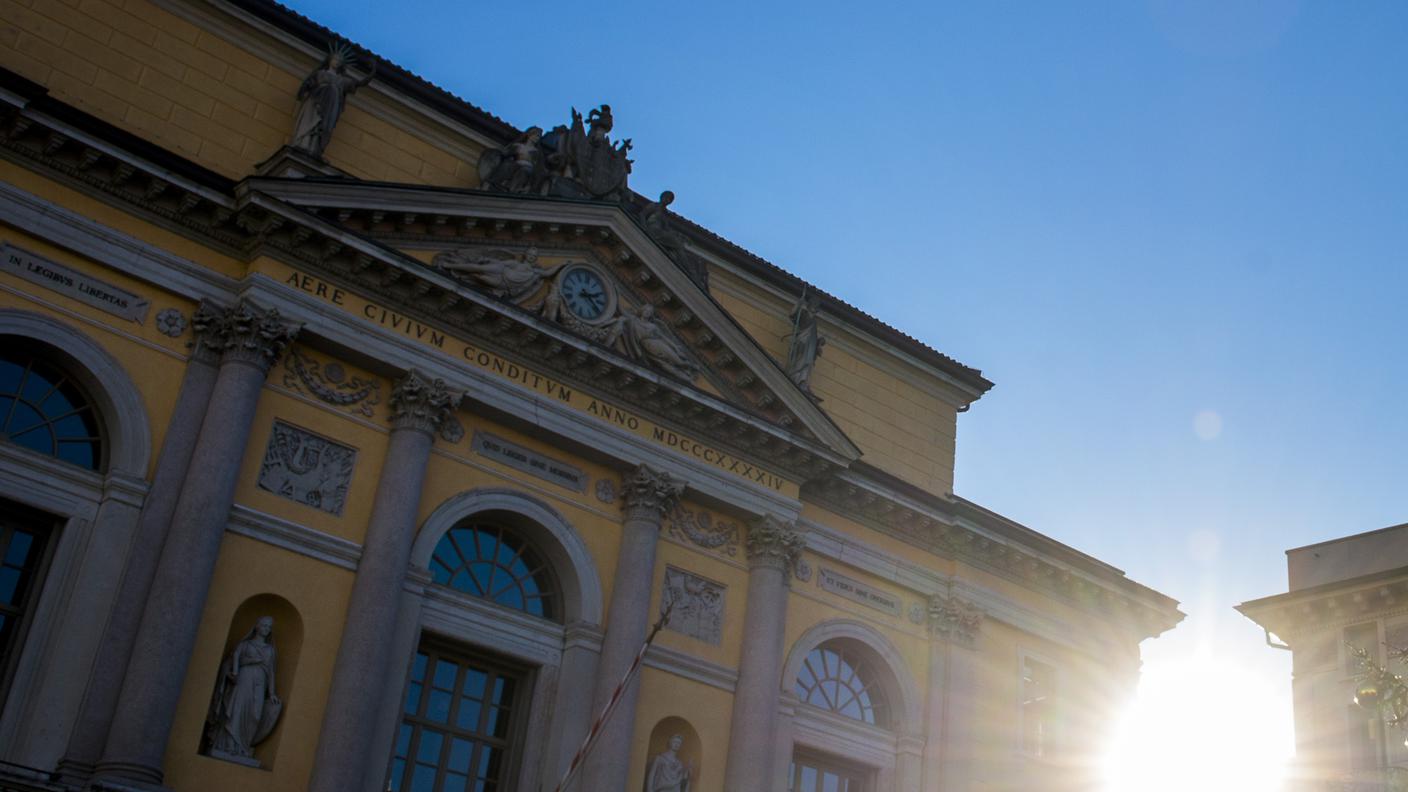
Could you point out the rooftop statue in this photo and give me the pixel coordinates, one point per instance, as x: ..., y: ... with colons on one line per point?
x: 577, y: 161
x: 321, y: 98
x: 806, y: 343
x: 656, y: 219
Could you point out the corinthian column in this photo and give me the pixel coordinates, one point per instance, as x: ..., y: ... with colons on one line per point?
x: 953, y: 633
x: 250, y: 341
x: 418, y: 406
x: 773, y: 548
x: 647, y: 495
x: 90, y: 731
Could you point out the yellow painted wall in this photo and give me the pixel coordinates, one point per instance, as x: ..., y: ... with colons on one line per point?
x: 901, y: 424
x: 142, y: 68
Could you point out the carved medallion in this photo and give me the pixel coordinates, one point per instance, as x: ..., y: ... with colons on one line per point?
x: 306, y: 468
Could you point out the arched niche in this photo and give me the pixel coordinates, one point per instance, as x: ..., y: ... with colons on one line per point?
x: 122, y: 414
x: 902, y: 693
x: 537, y: 522
x: 287, y: 639
x: 691, y: 749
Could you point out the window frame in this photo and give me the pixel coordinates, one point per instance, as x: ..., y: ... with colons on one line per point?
x: 875, y: 687
x: 1052, y: 740
x: 544, y: 576
x: 51, y: 526
x: 464, y: 656
x: 825, y: 762
x: 71, y: 378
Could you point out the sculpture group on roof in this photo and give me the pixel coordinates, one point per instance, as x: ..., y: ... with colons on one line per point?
x: 577, y: 161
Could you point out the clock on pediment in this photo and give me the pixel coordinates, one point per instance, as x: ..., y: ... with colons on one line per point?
x: 586, y: 294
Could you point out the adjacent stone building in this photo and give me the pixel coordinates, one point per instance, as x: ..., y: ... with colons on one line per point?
x: 355, y: 439
x: 1351, y: 591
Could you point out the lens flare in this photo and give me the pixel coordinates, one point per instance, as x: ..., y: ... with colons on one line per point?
x: 1202, y: 725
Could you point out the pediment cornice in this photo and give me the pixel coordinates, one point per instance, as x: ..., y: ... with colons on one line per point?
x: 247, y: 221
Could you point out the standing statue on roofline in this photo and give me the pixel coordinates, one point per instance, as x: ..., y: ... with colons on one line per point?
x: 322, y: 97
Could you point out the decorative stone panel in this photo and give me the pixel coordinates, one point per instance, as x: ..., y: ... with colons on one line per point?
x: 306, y: 468
x: 698, y: 605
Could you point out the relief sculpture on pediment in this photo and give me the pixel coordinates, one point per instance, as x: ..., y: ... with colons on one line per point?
x: 576, y: 295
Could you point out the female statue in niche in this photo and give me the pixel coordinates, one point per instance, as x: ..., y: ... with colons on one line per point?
x: 321, y: 98
x: 666, y: 772
x: 245, y: 706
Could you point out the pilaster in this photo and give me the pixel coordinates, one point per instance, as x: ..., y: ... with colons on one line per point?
x: 954, y: 625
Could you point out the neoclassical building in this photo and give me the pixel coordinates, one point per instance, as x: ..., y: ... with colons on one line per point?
x: 354, y: 439
x: 1343, y: 594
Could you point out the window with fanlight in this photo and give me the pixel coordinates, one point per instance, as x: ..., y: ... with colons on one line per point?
x: 496, y: 563
x: 43, y: 409
x: 839, y: 679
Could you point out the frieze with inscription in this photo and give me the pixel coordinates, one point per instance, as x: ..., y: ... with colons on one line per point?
x: 74, y: 283
x: 535, y: 381
x: 305, y: 468
x: 856, y: 591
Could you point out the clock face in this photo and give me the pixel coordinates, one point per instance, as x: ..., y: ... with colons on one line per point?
x: 584, y: 293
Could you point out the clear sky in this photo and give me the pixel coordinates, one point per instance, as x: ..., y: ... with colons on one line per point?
x: 1172, y: 233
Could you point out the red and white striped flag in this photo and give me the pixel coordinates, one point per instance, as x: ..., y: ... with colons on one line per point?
x: 595, y: 730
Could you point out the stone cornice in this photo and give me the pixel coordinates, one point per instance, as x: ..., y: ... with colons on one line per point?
x: 949, y: 529
x: 421, y: 403
x: 1298, y: 613
x: 646, y: 494
x: 170, y: 192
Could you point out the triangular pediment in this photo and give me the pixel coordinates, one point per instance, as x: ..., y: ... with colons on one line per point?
x: 578, y: 273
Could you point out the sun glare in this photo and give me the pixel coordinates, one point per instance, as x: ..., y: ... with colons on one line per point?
x: 1205, y: 726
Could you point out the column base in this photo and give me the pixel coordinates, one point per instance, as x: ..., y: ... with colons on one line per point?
x: 126, y: 777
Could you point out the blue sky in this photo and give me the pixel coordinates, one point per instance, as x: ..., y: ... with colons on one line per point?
x: 1126, y: 214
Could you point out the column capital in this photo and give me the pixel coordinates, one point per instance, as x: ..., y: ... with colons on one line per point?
x: 648, y: 493
x: 954, y: 619
x: 207, y: 325
x: 254, y: 336
x: 420, y: 403
x: 775, y: 543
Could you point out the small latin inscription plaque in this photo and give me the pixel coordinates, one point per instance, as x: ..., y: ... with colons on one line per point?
x: 853, y: 589
x: 530, y: 462
x: 72, y: 283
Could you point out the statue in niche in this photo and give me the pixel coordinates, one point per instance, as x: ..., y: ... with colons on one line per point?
x: 806, y: 343
x: 519, y: 167
x: 245, y: 706
x: 641, y: 335
x: 321, y: 98
x: 666, y: 772
x: 503, y: 274
x: 656, y: 219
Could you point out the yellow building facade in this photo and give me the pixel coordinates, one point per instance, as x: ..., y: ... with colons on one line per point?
x: 355, y: 439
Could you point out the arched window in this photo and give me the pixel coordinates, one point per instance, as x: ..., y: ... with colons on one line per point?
x: 44, y: 410
x: 490, y: 561
x: 837, y: 679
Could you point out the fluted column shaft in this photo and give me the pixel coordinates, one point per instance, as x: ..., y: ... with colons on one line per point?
x: 773, y: 547
x: 647, y: 496
x: 252, y: 341
x: 90, y: 732
x: 953, y: 633
x: 364, y: 656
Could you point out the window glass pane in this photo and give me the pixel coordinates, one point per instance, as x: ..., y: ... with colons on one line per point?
x: 412, y: 698
x: 474, y: 680
x: 438, y: 707
x: 429, y: 748
x: 468, y: 715
x: 39, y: 407
x: 423, y: 779
x: 492, y: 562
x: 460, y: 751
x: 834, y: 679
x: 454, y: 783
x: 9, y: 585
